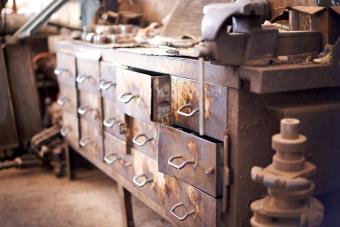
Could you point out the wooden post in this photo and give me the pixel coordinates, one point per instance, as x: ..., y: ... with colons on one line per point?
x: 70, y: 162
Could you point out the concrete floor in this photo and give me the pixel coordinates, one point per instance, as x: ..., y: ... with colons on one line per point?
x: 36, y: 198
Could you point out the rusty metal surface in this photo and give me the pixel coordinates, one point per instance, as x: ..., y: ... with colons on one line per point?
x: 144, y: 136
x: 202, y: 208
x: 161, y: 101
x: 66, y: 69
x: 114, y: 120
x: 108, y: 80
x: 8, y: 137
x: 202, y: 159
x: 24, y: 91
x: 185, y: 91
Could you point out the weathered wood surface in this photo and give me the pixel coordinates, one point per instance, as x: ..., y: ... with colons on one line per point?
x: 24, y: 91
x: 8, y: 136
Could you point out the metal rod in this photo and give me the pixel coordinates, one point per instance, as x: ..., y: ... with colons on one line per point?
x: 201, y: 96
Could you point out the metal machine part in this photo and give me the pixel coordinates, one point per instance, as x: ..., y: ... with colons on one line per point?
x: 289, y: 201
x: 233, y: 34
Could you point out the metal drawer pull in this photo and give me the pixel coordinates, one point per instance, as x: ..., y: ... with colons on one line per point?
x: 180, y: 166
x: 63, y: 100
x: 82, y: 77
x: 184, y: 114
x: 127, y: 97
x: 85, y: 142
x: 83, y: 110
x: 65, y: 130
x: 104, y: 85
x: 108, y: 123
x: 141, y: 183
x: 142, y: 142
x: 185, y: 216
x: 59, y: 71
x: 111, y: 158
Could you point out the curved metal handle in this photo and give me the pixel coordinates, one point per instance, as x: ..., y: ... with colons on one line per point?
x: 126, y: 97
x: 182, y: 218
x: 111, y: 158
x: 108, y: 123
x: 104, y: 85
x: 60, y: 71
x: 143, y: 142
x: 83, y: 110
x: 65, y: 130
x: 85, y: 142
x: 184, y: 114
x: 180, y: 166
x: 63, y: 100
x: 82, y: 77
x: 141, y: 183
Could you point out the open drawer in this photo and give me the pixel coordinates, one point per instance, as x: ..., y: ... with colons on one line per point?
x: 192, y: 159
x: 143, y: 96
x: 185, y: 106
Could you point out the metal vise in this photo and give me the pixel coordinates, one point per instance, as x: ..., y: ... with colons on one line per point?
x: 233, y: 35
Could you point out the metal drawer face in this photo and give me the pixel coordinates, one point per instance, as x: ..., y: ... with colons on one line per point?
x: 114, y: 120
x: 88, y: 74
x: 145, y: 137
x: 89, y: 107
x: 70, y: 129
x: 143, y: 96
x: 66, y: 69
x: 185, y: 103
x: 115, y: 155
x: 108, y: 81
x: 192, y: 159
x: 189, y: 206
x: 68, y: 99
x: 147, y: 178
x: 90, y: 140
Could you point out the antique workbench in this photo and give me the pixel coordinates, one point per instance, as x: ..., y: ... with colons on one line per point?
x: 134, y: 115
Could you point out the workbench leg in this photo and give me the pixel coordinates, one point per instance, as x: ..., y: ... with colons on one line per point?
x: 70, y: 162
x: 126, y: 206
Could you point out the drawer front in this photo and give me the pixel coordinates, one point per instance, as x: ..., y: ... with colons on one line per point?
x: 90, y: 140
x: 145, y: 137
x: 66, y: 69
x: 147, y: 178
x: 185, y: 104
x: 189, y: 206
x: 108, y: 81
x: 89, y: 107
x: 192, y: 159
x: 70, y: 129
x: 114, y: 120
x: 115, y: 155
x: 138, y: 98
x: 68, y: 99
x: 88, y: 77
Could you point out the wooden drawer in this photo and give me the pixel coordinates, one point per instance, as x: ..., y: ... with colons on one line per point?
x: 115, y: 155
x: 189, y: 206
x: 91, y: 140
x: 114, y: 120
x: 89, y: 106
x: 192, y: 159
x: 88, y: 77
x: 147, y: 178
x: 185, y: 104
x: 68, y: 98
x: 66, y: 69
x: 70, y: 129
x: 108, y: 81
x: 145, y: 137
x: 142, y: 96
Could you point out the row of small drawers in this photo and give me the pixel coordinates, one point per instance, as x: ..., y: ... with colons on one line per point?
x: 155, y: 147
x: 146, y: 96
